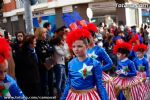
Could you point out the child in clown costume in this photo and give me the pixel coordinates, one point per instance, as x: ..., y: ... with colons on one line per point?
x: 84, y: 73
x: 76, y: 18
x: 128, y: 86
x: 142, y: 66
x: 100, y: 54
x: 8, y: 87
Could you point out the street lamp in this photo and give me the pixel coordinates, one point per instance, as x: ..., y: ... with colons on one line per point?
x: 28, y: 15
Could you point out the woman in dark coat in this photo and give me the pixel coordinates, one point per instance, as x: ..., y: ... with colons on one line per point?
x: 27, y: 69
x: 45, y: 53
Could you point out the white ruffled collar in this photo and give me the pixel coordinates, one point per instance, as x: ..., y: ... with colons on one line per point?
x: 140, y: 58
x: 125, y: 59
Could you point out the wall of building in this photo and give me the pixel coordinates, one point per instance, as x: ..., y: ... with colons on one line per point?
x: 103, y: 9
x: 8, y: 6
x: 59, y: 14
x: 121, y: 16
x: 13, y: 26
x: 81, y: 8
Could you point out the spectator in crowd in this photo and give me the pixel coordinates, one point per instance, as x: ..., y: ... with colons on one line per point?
x: 118, y: 36
x: 27, y: 68
x: 59, y: 68
x: 62, y: 33
x: 7, y: 36
x: 18, y: 42
x: 133, y: 29
x: 47, y: 26
x: 45, y: 53
x: 145, y: 33
x: 141, y: 32
x: 108, y: 45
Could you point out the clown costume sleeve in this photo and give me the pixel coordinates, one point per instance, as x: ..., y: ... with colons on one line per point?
x: 100, y: 55
x: 11, y: 89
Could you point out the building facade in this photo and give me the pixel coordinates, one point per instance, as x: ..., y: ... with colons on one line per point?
x: 107, y: 11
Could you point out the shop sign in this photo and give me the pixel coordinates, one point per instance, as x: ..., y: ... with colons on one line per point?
x: 67, y: 9
x: 101, y: 5
x: 50, y: 12
x: 38, y: 14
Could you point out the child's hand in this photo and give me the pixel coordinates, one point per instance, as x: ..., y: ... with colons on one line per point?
x: 123, y: 75
x: 120, y: 72
x: 147, y: 80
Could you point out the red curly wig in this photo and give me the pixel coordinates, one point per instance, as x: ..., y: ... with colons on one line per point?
x: 76, y: 35
x: 4, y: 50
x: 140, y: 47
x: 124, y: 46
x: 92, y: 27
x: 135, y: 40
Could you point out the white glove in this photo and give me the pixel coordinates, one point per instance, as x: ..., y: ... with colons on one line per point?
x: 120, y: 72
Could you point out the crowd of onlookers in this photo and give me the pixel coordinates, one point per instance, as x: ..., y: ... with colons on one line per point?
x: 39, y: 61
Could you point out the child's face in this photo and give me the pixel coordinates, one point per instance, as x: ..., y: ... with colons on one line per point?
x: 121, y: 56
x: 140, y: 54
x: 3, y: 70
x: 79, y: 48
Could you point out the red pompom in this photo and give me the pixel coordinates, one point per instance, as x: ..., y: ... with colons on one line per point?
x: 123, y: 45
x: 92, y: 27
x: 134, y: 39
x: 81, y: 23
x: 140, y: 47
x: 76, y: 35
x: 119, y: 41
x: 130, y: 33
x: 4, y: 50
x: 73, y: 26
